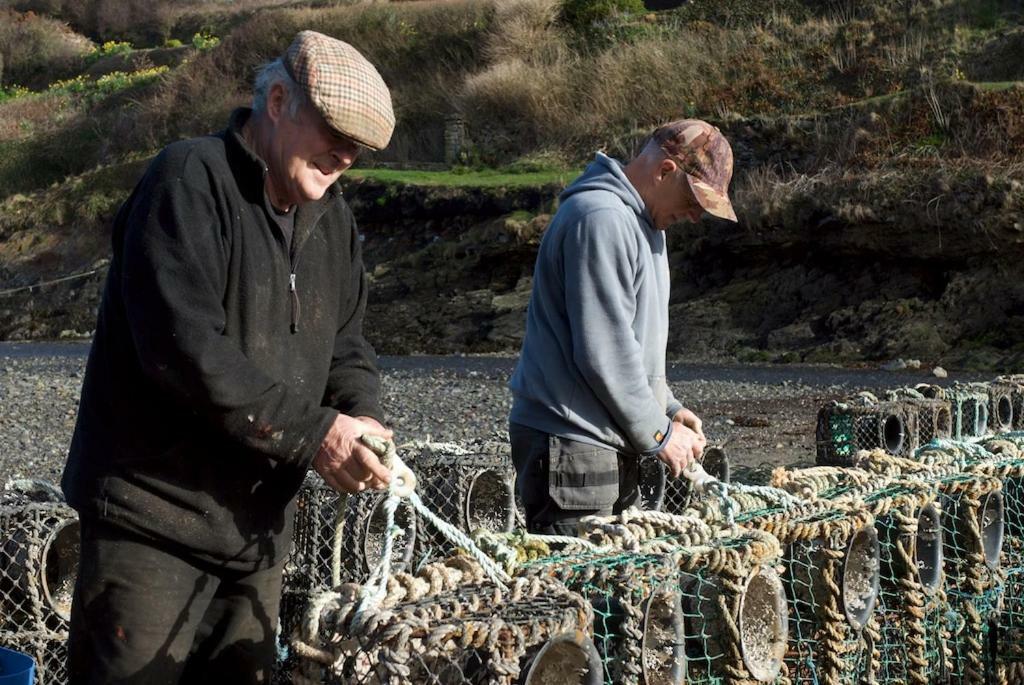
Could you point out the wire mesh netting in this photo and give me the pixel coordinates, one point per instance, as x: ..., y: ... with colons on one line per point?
x: 864, y: 423
x: 911, y: 644
x: 471, y: 485
x: 309, y: 566
x: 1013, y: 385
x: 972, y: 529
x: 39, y: 551
x: 969, y: 407
x: 706, y: 614
x: 831, y: 573
x: 660, y: 492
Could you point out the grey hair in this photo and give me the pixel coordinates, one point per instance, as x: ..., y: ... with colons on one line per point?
x: 269, y: 74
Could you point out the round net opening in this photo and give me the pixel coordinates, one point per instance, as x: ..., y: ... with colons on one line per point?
x: 652, y: 483
x: 990, y: 522
x: 664, y: 638
x: 569, y: 658
x: 893, y: 433
x: 943, y: 422
x: 928, y: 548
x: 860, y: 577
x: 716, y: 463
x: 375, y: 531
x: 763, y: 624
x: 60, y: 567
x: 1004, y: 412
x: 490, y: 502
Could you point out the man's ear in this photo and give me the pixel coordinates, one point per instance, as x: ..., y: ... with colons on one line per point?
x: 666, y: 168
x: 277, y: 99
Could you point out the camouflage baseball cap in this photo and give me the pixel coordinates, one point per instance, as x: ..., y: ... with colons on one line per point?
x: 703, y: 153
x: 343, y: 86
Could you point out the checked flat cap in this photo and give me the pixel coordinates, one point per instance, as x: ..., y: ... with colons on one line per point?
x: 344, y: 87
x: 704, y: 154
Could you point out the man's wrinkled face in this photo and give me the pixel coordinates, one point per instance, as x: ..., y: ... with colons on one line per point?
x: 671, y: 200
x: 309, y: 156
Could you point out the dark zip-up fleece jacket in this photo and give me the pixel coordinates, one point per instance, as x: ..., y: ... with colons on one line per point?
x: 208, y: 388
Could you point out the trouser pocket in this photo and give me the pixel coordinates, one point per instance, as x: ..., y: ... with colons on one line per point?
x: 581, y: 476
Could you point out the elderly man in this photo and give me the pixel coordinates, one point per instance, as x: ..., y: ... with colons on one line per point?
x: 590, y: 394
x: 229, y: 357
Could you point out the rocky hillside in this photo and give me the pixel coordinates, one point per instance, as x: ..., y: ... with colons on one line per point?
x: 879, y: 166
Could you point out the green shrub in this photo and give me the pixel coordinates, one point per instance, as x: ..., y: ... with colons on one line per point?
x: 111, y: 47
x: 172, y: 43
x: 204, y: 41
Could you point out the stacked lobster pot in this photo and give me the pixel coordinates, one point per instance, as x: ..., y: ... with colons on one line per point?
x: 691, y: 605
x: 831, y: 575
x: 933, y: 416
x: 658, y: 492
x: 864, y: 422
x: 327, y: 550
x: 909, y: 641
x: 972, y: 526
x: 1006, y: 403
x: 39, y: 549
x: 470, y: 485
x: 1005, y: 460
x: 969, y: 407
x: 449, y: 625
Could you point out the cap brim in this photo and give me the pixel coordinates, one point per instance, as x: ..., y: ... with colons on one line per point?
x: 713, y: 202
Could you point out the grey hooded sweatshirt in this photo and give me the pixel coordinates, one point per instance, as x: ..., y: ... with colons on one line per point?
x: 592, y: 366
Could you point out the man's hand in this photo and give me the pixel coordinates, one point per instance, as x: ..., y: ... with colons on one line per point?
x: 684, y: 446
x: 687, y: 418
x: 344, y: 462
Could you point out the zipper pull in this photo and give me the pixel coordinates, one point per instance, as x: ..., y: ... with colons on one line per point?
x: 295, y: 303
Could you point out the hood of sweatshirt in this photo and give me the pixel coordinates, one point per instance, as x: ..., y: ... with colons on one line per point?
x: 608, y: 174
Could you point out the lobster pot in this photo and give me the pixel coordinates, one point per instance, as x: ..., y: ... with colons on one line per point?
x: 1010, y: 639
x: 1004, y: 405
x: 39, y: 554
x: 843, y: 429
x: 661, y: 492
x: 934, y: 418
x: 48, y: 649
x: 831, y: 577
x: 972, y: 528
x: 637, y: 611
x: 309, y: 565
x: 293, y: 612
x: 471, y: 489
x: 969, y: 406
x: 1014, y: 386
x: 476, y: 634
x: 694, y: 615
x: 910, y: 644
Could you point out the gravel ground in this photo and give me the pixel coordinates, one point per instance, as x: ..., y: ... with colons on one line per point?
x: 763, y: 415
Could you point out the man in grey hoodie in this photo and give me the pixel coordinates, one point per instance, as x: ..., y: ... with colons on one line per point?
x: 590, y: 394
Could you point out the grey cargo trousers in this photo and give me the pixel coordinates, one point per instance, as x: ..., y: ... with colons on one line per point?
x: 560, y: 480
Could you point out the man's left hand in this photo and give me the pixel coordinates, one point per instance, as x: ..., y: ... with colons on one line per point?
x: 690, y: 420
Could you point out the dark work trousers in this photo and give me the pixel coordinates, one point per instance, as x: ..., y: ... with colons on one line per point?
x: 151, y: 615
x: 560, y: 480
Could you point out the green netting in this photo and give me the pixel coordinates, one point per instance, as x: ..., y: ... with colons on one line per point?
x: 700, y: 615
x: 971, y: 507
x: 911, y: 644
x: 830, y: 568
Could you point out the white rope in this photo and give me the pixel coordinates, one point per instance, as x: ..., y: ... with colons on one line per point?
x: 402, y: 485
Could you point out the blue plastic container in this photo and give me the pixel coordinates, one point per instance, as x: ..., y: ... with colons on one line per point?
x: 16, y: 668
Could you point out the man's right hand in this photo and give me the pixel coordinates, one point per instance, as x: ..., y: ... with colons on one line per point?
x: 345, y: 463
x: 684, y: 447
